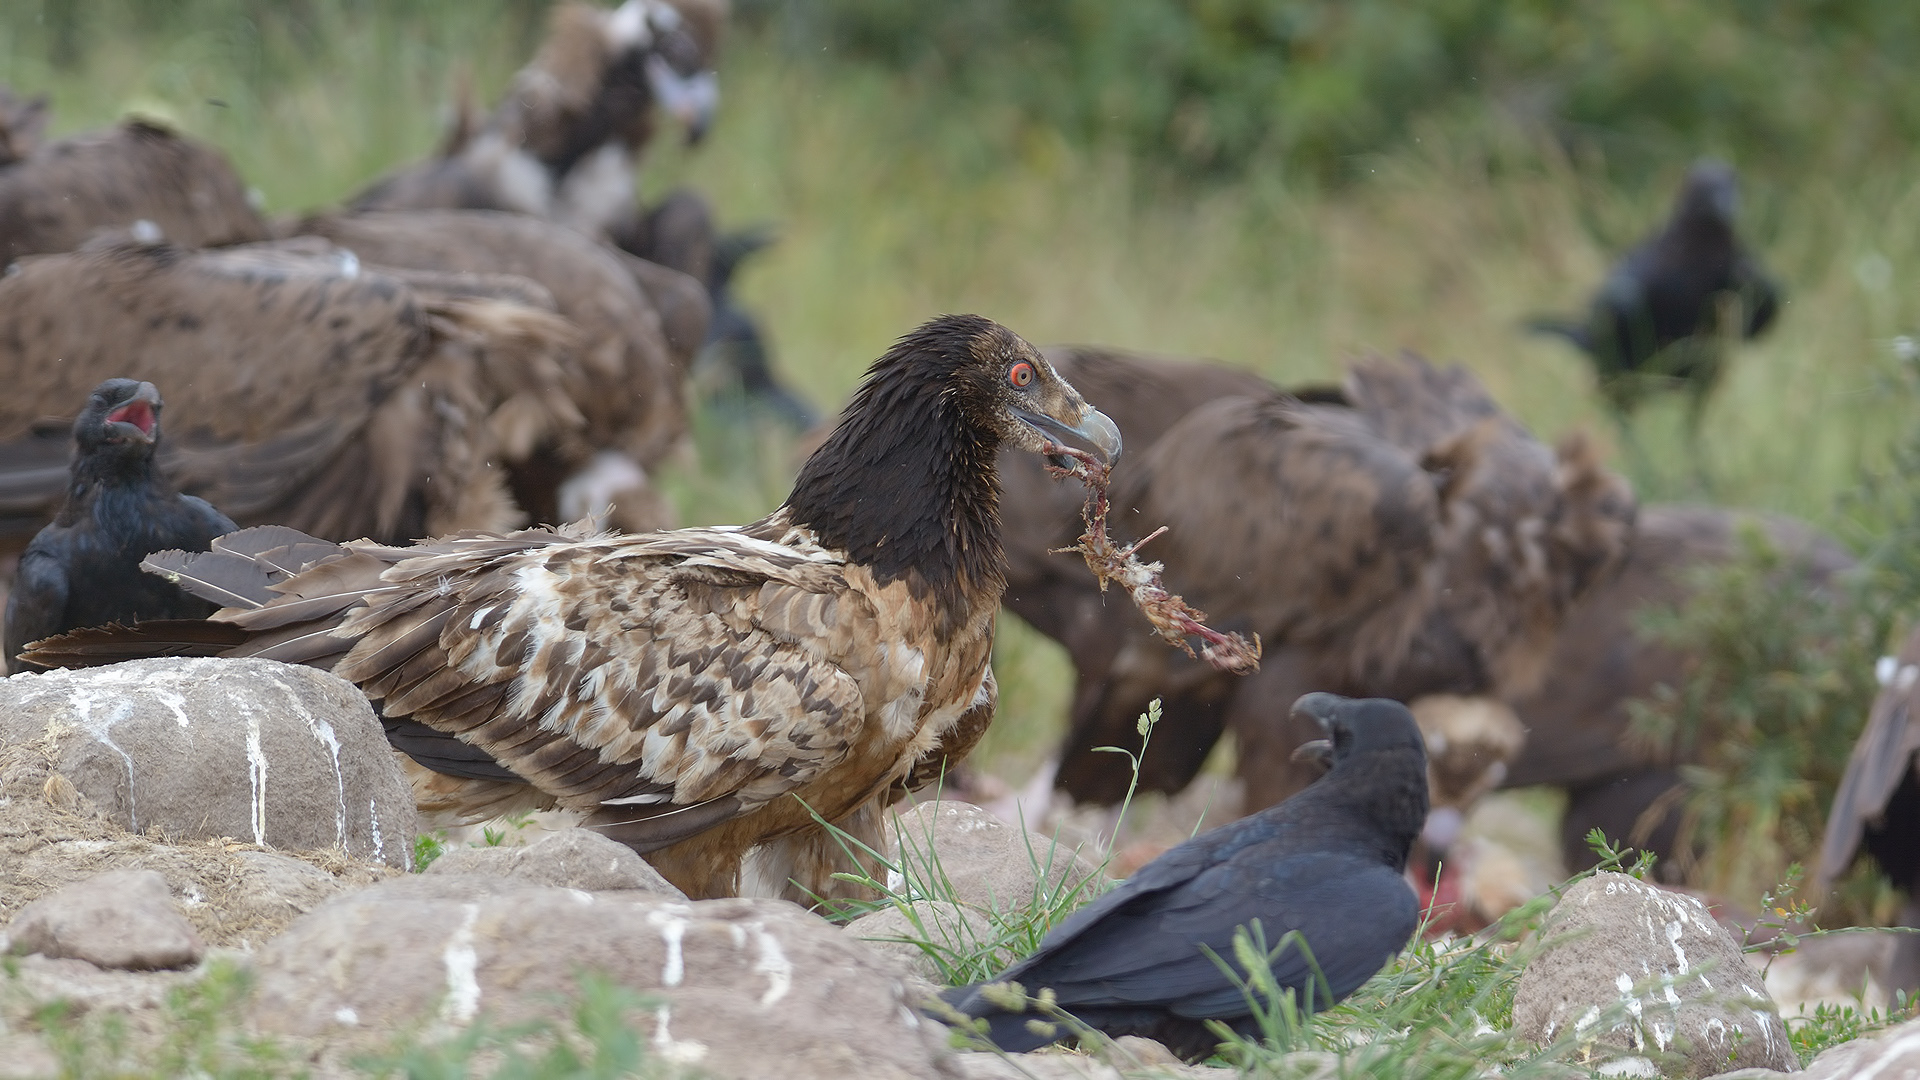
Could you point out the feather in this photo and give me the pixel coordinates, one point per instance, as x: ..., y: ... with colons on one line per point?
x: 100, y: 645
x: 227, y: 578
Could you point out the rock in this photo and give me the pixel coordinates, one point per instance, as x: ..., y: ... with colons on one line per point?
x: 734, y: 988
x: 568, y: 859
x: 1893, y: 1052
x: 949, y: 927
x: 1639, y: 972
x: 987, y: 863
x: 1066, y: 1065
x: 279, y: 755
x: 123, y: 919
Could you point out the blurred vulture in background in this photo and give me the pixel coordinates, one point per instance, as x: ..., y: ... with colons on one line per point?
x: 564, y: 141
x: 1395, y: 536
x: 622, y: 376
x: 138, y: 177
x: 1662, y: 314
x: 305, y: 388
x: 1877, y: 807
x: 735, y: 361
x: 1578, y: 718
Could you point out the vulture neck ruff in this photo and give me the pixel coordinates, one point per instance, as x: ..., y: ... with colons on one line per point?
x: 906, y: 484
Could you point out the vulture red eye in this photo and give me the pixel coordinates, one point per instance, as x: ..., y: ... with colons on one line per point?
x: 1021, y: 374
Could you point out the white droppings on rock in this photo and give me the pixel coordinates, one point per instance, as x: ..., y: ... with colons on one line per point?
x: 463, y: 966
x: 676, y: 1051
x: 346, y: 1016
x: 256, y: 772
x: 324, y: 734
x: 379, y: 842
x: 176, y: 704
x: 102, y: 732
x: 1628, y: 1066
x: 773, y: 963
x: 673, y: 927
x: 1674, y: 930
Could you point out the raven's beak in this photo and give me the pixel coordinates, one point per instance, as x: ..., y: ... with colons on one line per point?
x: 140, y: 414
x: 1318, y: 751
x: 1319, y: 707
x: 1093, y: 428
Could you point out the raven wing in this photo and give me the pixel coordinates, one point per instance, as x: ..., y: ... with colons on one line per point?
x: 1151, y: 948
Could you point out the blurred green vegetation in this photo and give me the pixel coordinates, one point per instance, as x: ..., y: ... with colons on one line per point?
x: 1317, y: 86
x: 1278, y: 184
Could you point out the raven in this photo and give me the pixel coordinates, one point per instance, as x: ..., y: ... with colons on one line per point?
x: 1328, y: 863
x: 1656, y: 315
x: 84, y: 568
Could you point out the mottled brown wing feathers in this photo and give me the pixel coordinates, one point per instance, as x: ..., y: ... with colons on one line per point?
x: 584, y: 666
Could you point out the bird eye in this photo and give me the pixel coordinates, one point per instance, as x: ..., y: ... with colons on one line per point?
x: 1021, y: 374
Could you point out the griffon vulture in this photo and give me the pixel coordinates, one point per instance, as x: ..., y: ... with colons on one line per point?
x: 138, y: 176
x: 309, y: 389
x: 564, y: 141
x: 1397, y: 536
x: 620, y: 376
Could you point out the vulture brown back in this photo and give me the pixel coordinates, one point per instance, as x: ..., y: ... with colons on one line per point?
x: 1401, y: 538
x: 61, y: 194
x: 620, y: 377
x: 303, y: 387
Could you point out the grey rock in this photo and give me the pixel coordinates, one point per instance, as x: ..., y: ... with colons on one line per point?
x: 568, y: 859
x: 986, y: 862
x: 1063, y: 1065
x: 733, y: 988
x: 1634, y: 971
x: 1893, y: 1052
x: 123, y: 919
x: 952, y: 930
x: 269, y: 753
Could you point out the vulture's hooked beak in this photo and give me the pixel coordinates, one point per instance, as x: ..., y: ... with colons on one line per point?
x: 1319, y: 709
x: 690, y: 99
x: 136, y: 419
x: 1093, y: 428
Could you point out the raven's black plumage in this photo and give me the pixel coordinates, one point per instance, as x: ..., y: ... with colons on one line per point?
x: 1327, y: 862
x: 84, y: 568
x: 1667, y: 292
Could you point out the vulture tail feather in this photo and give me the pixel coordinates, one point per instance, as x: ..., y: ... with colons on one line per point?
x: 96, y: 646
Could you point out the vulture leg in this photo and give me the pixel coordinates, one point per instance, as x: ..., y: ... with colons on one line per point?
x: 801, y: 866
